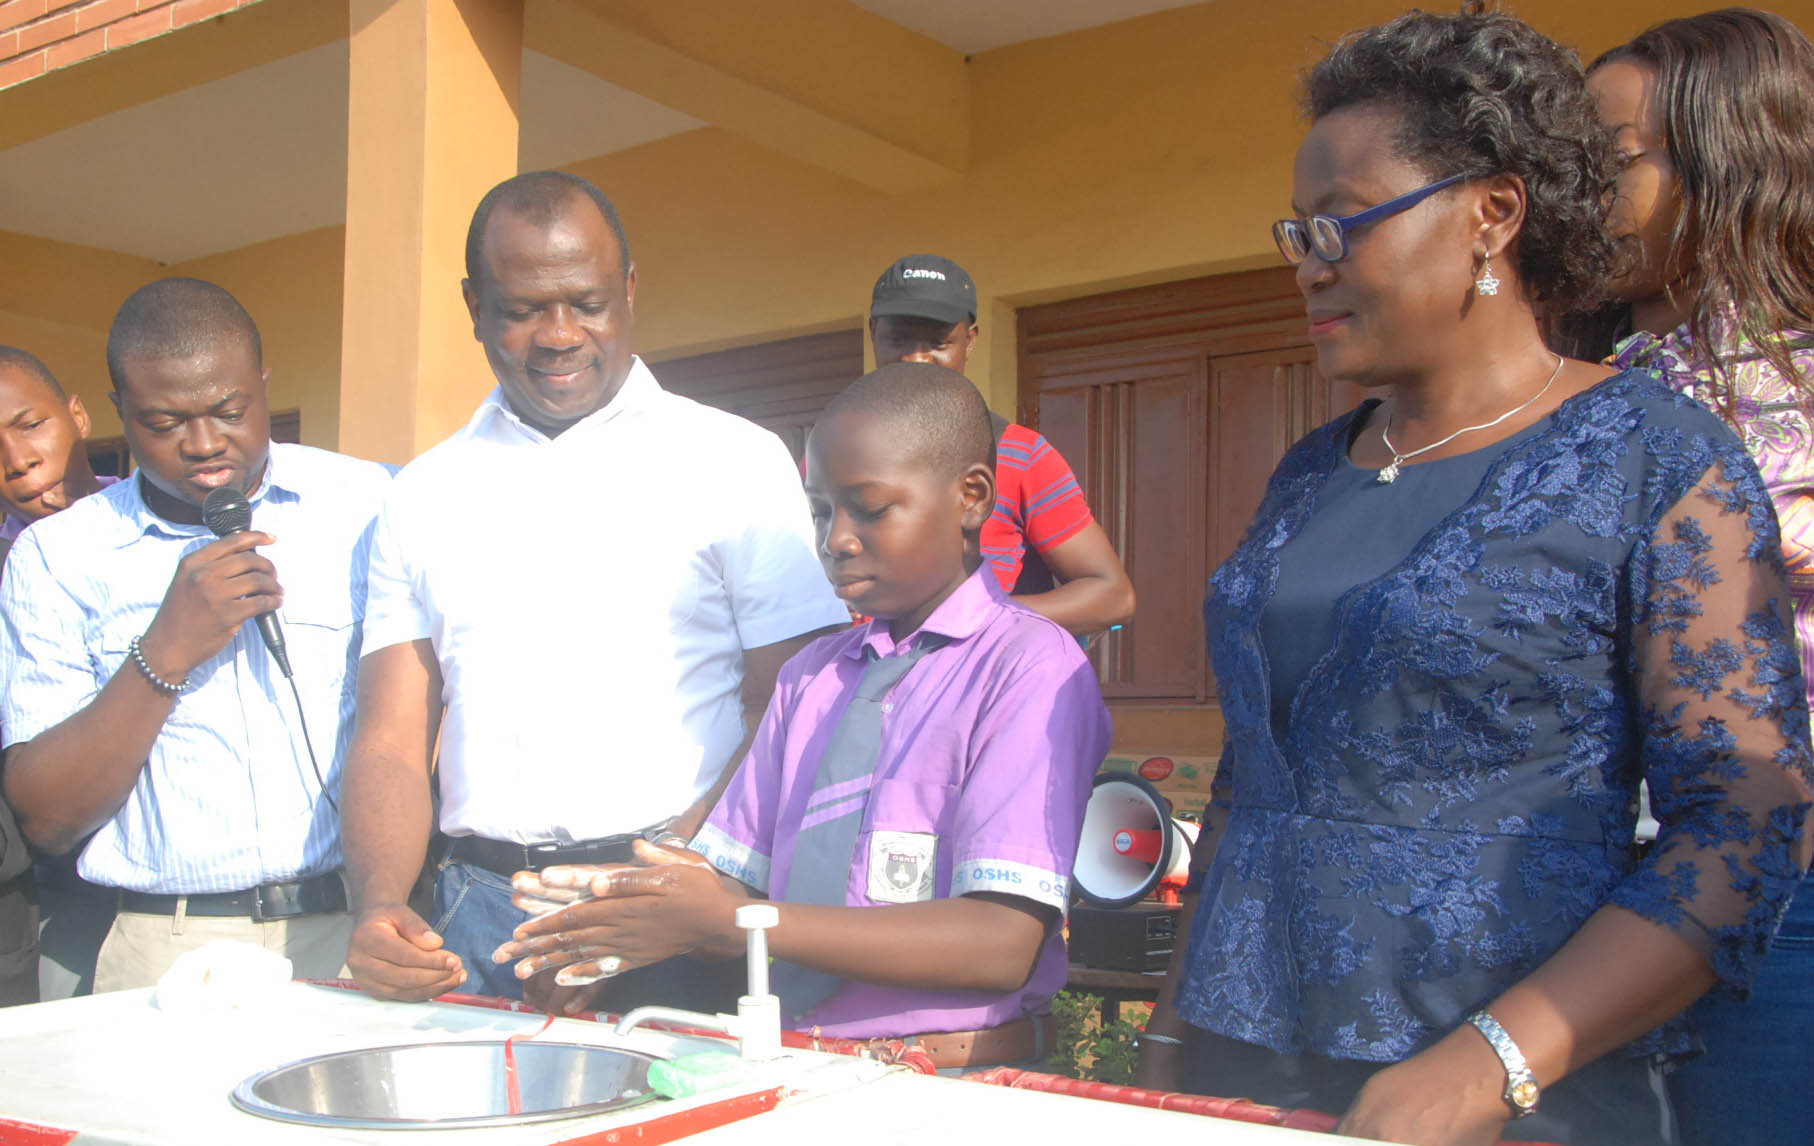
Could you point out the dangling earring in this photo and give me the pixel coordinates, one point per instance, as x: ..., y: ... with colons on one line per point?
x: 1486, y: 284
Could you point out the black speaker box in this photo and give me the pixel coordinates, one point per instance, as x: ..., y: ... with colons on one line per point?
x: 1134, y: 938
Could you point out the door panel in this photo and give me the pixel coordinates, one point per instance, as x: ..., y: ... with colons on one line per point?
x: 1263, y: 403
x: 1135, y: 444
x: 781, y: 385
x: 1173, y: 404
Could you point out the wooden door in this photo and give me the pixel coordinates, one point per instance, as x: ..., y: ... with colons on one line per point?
x: 781, y: 385
x: 1133, y: 434
x: 1262, y: 403
x: 1173, y: 404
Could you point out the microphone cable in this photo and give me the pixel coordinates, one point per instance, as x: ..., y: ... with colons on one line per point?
x: 302, y: 719
x: 226, y: 512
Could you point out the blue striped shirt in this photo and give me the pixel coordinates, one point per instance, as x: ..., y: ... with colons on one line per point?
x: 227, y: 799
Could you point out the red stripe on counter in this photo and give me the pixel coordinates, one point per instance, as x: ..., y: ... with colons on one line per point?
x: 14, y: 1133
x: 685, y: 1123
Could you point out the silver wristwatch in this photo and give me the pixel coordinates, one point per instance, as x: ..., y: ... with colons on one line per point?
x: 1521, y: 1091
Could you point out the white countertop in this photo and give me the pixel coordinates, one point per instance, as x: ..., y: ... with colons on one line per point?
x: 116, y: 1069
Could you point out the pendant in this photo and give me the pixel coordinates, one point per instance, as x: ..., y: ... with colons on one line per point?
x: 1390, y: 474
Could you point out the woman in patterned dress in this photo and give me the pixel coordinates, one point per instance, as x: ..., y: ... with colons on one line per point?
x: 1467, y: 619
x: 1714, y: 115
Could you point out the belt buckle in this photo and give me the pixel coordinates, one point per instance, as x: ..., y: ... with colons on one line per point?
x: 269, y: 909
x: 258, y: 906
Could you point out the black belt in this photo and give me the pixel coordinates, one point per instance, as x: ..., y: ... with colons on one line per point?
x: 507, y: 859
x: 316, y: 895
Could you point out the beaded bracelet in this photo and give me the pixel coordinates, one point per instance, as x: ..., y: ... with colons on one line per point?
x: 157, y: 682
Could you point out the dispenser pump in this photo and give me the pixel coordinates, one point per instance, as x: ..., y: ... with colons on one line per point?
x: 759, y: 1012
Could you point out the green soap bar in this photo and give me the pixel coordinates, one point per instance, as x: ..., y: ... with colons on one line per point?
x: 693, y: 1074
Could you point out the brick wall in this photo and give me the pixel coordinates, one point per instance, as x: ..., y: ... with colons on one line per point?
x: 39, y: 36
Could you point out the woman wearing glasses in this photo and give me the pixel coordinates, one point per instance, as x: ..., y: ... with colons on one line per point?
x: 1467, y: 620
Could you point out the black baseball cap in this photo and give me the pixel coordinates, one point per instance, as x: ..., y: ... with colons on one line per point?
x: 925, y: 286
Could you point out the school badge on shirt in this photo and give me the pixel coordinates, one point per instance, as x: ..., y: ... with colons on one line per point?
x: 902, y: 866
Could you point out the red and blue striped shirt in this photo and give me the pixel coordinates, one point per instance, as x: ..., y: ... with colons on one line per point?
x: 1038, y: 502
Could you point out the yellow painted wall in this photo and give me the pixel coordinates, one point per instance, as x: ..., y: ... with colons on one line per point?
x: 77, y: 355
x: 56, y: 300
x: 292, y: 289
x: 1140, y: 152
x: 1151, y: 150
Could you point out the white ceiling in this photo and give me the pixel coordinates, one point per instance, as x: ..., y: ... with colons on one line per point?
x: 262, y: 154
x: 973, y: 26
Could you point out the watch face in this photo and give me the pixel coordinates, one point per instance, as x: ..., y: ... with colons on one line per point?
x: 1524, y: 1095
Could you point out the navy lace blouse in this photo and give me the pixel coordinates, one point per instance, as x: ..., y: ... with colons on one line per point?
x: 1451, y: 790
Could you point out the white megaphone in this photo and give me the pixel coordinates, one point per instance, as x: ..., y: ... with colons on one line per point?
x: 1130, y: 844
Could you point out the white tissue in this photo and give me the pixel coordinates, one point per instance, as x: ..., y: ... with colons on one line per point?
x: 219, y: 976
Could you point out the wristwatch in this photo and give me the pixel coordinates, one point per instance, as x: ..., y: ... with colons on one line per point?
x: 1521, y: 1090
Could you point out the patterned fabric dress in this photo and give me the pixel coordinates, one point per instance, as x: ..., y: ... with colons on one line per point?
x: 1777, y: 422
x: 1454, y: 790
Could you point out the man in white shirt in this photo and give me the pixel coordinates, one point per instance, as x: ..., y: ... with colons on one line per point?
x: 585, y: 594
x: 140, y: 706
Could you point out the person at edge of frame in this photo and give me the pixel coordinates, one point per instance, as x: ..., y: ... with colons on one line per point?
x: 51, y: 923
x: 1712, y: 114
x: 1468, y: 618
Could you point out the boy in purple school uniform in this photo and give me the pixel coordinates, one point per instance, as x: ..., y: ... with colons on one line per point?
x: 913, y: 798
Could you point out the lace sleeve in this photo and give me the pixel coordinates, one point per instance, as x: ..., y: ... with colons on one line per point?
x: 1722, y: 717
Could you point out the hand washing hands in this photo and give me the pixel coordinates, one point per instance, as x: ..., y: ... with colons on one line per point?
x: 593, y: 921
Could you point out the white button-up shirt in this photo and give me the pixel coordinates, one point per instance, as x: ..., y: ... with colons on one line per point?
x: 228, y: 799
x: 589, y: 598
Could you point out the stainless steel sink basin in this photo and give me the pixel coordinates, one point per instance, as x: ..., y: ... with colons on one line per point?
x: 436, y: 1086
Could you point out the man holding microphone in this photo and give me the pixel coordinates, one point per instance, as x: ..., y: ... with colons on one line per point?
x: 141, y: 707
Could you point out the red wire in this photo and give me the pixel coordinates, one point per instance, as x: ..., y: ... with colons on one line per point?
x: 513, y: 1094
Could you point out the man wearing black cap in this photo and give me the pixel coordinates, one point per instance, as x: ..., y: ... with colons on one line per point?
x: 1042, y: 541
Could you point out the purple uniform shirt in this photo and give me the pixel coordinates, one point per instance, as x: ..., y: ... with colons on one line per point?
x: 988, y: 750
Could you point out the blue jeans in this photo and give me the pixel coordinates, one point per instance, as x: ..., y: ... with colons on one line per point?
x: 1755, y: 1084
x: 473, y: 915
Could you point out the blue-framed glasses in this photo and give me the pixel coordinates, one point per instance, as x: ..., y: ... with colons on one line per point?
x: 1327, y: 235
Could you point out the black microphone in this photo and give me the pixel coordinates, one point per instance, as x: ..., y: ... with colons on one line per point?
x: 226, y: 511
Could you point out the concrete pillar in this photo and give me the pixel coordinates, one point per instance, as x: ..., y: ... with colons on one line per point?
x: 432, y: 125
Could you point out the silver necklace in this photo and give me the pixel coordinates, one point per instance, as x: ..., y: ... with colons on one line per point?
x: 1390, y: 474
